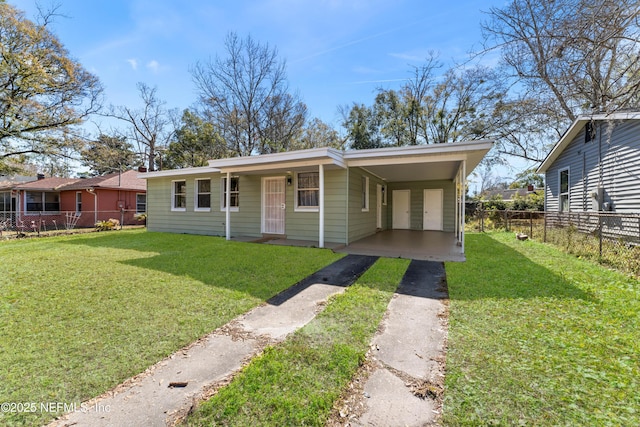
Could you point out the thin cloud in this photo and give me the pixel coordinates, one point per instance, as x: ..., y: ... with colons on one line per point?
x: 134, y: 63
x: 357, y: 41
x: 112, y: 45
x: 153, y: 65
x: 412, y: 57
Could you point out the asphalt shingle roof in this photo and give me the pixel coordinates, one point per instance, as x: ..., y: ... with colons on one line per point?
x: 123, y: 181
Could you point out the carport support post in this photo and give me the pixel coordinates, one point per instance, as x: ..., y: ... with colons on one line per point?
x: 321, y: 206
x: 227, y: 197
x: 456, y: 215
x: 463, y: 201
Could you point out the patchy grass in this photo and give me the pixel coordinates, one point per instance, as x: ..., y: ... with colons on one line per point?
x: 616, y: 253
x: 79, y: 314
x: 538, y: 337
x: 297, y: 382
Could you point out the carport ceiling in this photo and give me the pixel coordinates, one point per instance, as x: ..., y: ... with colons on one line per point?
x: 416, y: 171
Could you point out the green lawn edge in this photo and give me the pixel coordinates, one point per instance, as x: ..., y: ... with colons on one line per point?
x: 539, y: 337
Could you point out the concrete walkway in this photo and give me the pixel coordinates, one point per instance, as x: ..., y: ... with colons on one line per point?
x: 405, y: 367
x: 168, y: 390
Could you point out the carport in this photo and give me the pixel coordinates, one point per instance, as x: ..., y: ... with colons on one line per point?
x: 426, y: 188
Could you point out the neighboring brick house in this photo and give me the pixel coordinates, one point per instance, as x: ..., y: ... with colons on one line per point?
x: 55, y: 202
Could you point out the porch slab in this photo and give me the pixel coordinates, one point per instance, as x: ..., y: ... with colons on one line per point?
x: 302, y: 243
x: 410, y: 244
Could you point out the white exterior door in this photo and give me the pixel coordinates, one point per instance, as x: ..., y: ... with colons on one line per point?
x: 273, y: 205
x: 401, y: 209
x: 432, y: 212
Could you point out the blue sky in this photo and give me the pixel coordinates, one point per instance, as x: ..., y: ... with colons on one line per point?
x: 337, y: 51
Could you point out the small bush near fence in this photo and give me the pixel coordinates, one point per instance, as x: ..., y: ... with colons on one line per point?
x: 608, y: 238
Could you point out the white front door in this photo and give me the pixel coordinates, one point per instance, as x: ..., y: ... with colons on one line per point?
x: 401, y: 207
x: 432, y: 215
x: 273, y: 205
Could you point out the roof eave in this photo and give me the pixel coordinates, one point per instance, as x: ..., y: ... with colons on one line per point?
x: 414, y: 150
x: 177, y: 172
x: 323, y: 155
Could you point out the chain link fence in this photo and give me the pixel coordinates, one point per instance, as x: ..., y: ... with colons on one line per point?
x: 41, y: 223
x: 609, y: 238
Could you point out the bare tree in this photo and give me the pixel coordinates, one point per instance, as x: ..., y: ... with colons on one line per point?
x: 578, y: 55
x: 151, y: 126
x: 415, y: 93
x: 44, y: 93
x: 526, y: 127
x: 459, y: 107
x: 280, y: 123
x: 245, y: 95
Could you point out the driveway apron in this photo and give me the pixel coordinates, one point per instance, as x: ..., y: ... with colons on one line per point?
x: 408, y: 352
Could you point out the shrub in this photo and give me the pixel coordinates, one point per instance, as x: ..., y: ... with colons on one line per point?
x: 107, y: 225
x: 141, y: 217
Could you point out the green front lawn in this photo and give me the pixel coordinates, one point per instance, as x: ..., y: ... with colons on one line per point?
x: 536, y: 337
x: 79, y: 314
x: 539, y: 337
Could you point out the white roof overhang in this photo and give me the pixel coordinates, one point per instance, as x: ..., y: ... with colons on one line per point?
x: 413, y: 163
x: 420, y: 163
x: 177, y: 172
x: 281, y: 162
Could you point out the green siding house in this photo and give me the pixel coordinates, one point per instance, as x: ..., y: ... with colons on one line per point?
x: 319, y: 195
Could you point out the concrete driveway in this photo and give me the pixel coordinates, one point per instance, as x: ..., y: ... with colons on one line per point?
x: 399, y: 385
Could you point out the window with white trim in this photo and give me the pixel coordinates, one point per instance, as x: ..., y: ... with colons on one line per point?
x: 307, y: 190
x: 141, y: 202
x: 563, y: 191
x: 234, y: 194
x: 203, y: 195
x: 78, y: 201
x: 365, y: 194
x: 178, y: 195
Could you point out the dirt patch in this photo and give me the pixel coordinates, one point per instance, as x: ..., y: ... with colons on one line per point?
x: 352, y: 402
